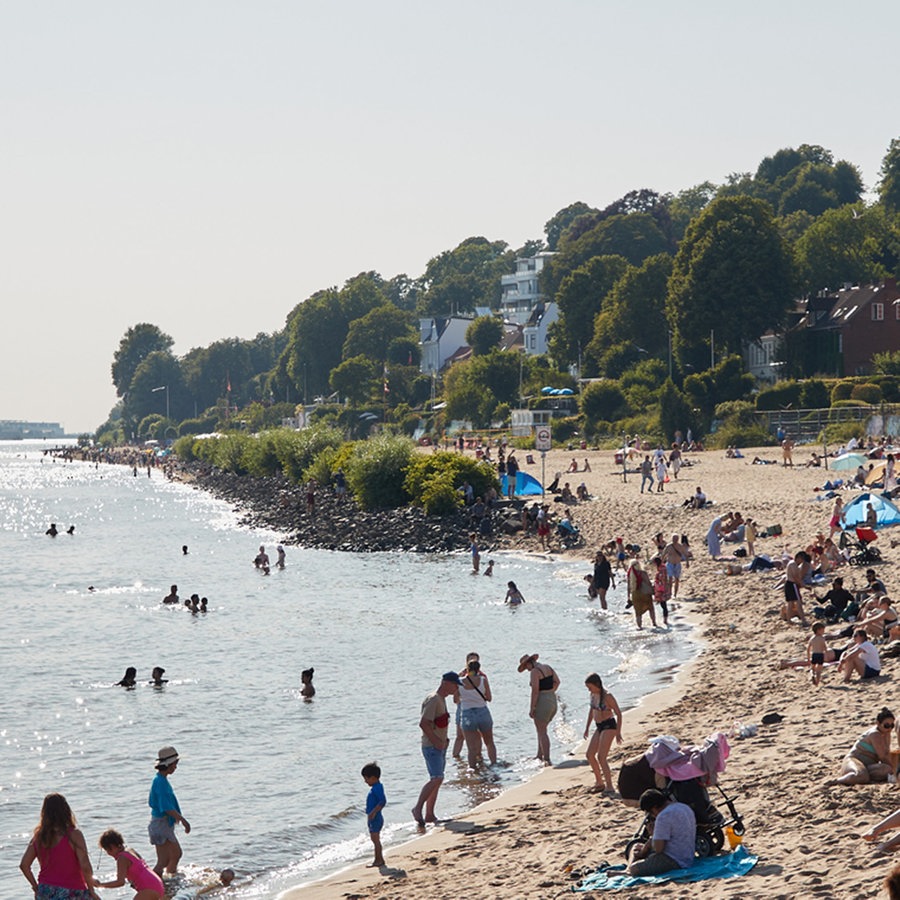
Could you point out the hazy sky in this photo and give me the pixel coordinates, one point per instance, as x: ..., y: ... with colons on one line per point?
x: 206, y: 165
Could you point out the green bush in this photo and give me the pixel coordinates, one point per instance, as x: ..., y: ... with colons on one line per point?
x: 782, y: 395
x: 841, y: 391
x: 376, y: 471
x: 197, y: 426
x: 841, y: 432
x: 867, y: 393
x: 183, y: 448
x: 814, y: 394
x: 565, y: 429
x: 603, y: 400
x: 848, y: 404
x: 297, y: 449
x: 732, y: 433
x: 328, y: 461
x: 427, y: 470
x: 439, y: 496
x: 890, y: 387
x: 229, y: 453
x: 739, y: 409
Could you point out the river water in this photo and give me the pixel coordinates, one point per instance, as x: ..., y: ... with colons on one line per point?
x: 269, y: 782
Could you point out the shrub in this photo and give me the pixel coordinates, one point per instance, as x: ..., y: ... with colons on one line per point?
x: 425, y: 471
x: 603, y: 400
x: 814, y: 394
x: 439, y: 496
x: 867, y: 393
x: 197, y: 426
x: 183, y: 448
x: 297, y: 449
x: 741, y: 410
x: 565, y: 429
x: 841, y: 391
x: 782, y: 395
x: 841, y: 432
x: 732, y: 433
x: 328, y: 461
x: 848, y: 404
x: 376, y: 471
x: 229, y: 453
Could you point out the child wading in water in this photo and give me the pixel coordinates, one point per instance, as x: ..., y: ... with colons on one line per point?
x: 607, y: 716
x: 375, y: 802
x: 130, y: 867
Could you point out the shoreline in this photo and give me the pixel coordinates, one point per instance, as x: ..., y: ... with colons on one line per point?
x: 523, y: 842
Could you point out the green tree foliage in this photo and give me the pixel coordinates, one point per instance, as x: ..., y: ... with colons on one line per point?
x: 208, y: 371
x: 354, y: 379
x: 377, y: 470
x: 426, y: 472
x: 781, y: 395
x: 688, y: 204
x: 887, y: 363
x: 580, y: 297
x: 555, y: 227
x: 814, y: 394
x: 634, y: 237
x: 459, y: 280
x: 474, y: 388
x: 889, y: 178
x: 641, y: 383
x: 484, y: 334
x: 675, y: 411
x: 404, y: 351
x: 732, y: 274
x: 634, y: 310
x: 371, y: 335
x: 843, y: 245
x: 727, y: 381
x: 866, y: 393
x: 137, y: 344
x: 603, y: 401
x: 158, y: 370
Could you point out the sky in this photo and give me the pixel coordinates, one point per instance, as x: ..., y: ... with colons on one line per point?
x: 205, y: 166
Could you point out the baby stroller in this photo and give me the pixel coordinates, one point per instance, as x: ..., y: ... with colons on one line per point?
x: 569, y: 536
x: 686, y: 776
x: 861, y: 551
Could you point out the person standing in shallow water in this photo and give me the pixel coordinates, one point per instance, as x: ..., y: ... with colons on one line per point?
x: 165, y: 813
x: 543, y: 705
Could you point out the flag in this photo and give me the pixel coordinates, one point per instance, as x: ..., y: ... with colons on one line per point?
x: 227, y: 382
x: 409, y: 361
x: 387, y: 389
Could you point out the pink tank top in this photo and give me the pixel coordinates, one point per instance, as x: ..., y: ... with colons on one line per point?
x: 140, y: 875
x: 59, y: 866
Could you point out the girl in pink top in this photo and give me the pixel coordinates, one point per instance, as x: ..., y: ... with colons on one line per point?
x: 130, y: 867
x: 59, y: 846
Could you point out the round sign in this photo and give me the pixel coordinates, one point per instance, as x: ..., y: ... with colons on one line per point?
x: 542, y: 439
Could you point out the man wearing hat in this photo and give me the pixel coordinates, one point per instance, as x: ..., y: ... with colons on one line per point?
x: 434, y: 723
x: 164, y: 813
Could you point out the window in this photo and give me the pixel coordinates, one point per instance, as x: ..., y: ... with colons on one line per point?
x: 877, y: 312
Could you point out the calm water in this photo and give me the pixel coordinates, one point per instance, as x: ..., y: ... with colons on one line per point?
x: 270, y: 783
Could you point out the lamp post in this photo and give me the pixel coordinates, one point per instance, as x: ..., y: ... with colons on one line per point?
x: 165, y: 388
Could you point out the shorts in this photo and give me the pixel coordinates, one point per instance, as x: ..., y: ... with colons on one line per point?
x: 791, y: 592
x: 51, y: 892
x: 869, y: 672
x: 376, y: 823
x: 817, y: 659
x: 607, y: 725
x: 673, y: 570
x: 545, y: 709
x: 435, y: 761
x: 161, y: 831
x: 477, y: 718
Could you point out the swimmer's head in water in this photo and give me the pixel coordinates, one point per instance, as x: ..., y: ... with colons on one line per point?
x: 307, y: 674
x: 226, y: 876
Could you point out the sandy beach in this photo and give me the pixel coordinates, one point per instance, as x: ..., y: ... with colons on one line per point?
x: 807, y: 835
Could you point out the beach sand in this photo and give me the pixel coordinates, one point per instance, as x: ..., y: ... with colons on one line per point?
x: 806, y: 835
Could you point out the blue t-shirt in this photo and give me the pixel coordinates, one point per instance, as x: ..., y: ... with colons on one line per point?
x: 677, y: 826
x: 376, y: 798
x: 162, y: 798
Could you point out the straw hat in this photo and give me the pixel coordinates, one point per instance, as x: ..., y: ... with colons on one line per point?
x: 527, y: 658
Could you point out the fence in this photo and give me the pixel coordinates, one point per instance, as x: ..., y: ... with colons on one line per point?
x: 807, y: 424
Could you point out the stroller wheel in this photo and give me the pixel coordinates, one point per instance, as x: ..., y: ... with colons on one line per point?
x: 716, y: 839
x: 703, y: 845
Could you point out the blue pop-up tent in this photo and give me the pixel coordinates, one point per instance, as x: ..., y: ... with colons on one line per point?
x: 855, y: 511
x: 526, y: 485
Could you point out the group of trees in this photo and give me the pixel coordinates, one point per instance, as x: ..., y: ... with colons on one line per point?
x: 651, y: 287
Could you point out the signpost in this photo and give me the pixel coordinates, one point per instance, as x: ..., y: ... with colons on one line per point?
x: 543, y: 442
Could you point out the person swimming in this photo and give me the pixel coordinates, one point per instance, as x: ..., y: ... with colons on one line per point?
x: 52, y: 531
x: 156, y: 678
x: 70, y: 529
x: 130, y: 678
x: 308, y: 690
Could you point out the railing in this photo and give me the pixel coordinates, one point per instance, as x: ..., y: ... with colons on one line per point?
x: 807, y: 424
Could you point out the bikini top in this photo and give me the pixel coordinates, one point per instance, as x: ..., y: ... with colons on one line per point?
x: 598, y: 703
x: 545, y: 683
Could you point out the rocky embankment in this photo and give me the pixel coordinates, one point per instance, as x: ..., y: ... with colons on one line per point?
x: 337, y: 523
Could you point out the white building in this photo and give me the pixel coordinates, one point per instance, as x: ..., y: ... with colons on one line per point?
x: 534, y: 332
x: 440, y: 337
x: 762, y: 358
x: 519, y: 291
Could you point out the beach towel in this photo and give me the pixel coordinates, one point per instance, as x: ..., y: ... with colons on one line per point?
x: 615, y: 878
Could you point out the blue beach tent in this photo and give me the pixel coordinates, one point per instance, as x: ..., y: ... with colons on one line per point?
x: 855, y: 511
x: 526, y: 485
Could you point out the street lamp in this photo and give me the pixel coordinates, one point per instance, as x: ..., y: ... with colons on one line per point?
x: 165, y: 388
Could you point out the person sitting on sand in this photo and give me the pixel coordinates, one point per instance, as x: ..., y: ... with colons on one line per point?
x: 674, y: 835
x: 573, y: 466
x: 869, y: 759
x: 882, y: 622
x: 581, y: 492
x: 861, y: 658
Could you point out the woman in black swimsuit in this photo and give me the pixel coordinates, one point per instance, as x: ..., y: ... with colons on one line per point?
x: 544, y: 684
x: 607, y: 716
x: 603, y: 576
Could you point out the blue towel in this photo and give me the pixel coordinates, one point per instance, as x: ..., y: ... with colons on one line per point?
x: 726, y: 865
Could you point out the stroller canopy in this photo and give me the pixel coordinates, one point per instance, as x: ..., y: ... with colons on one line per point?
x: 855, y: 511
